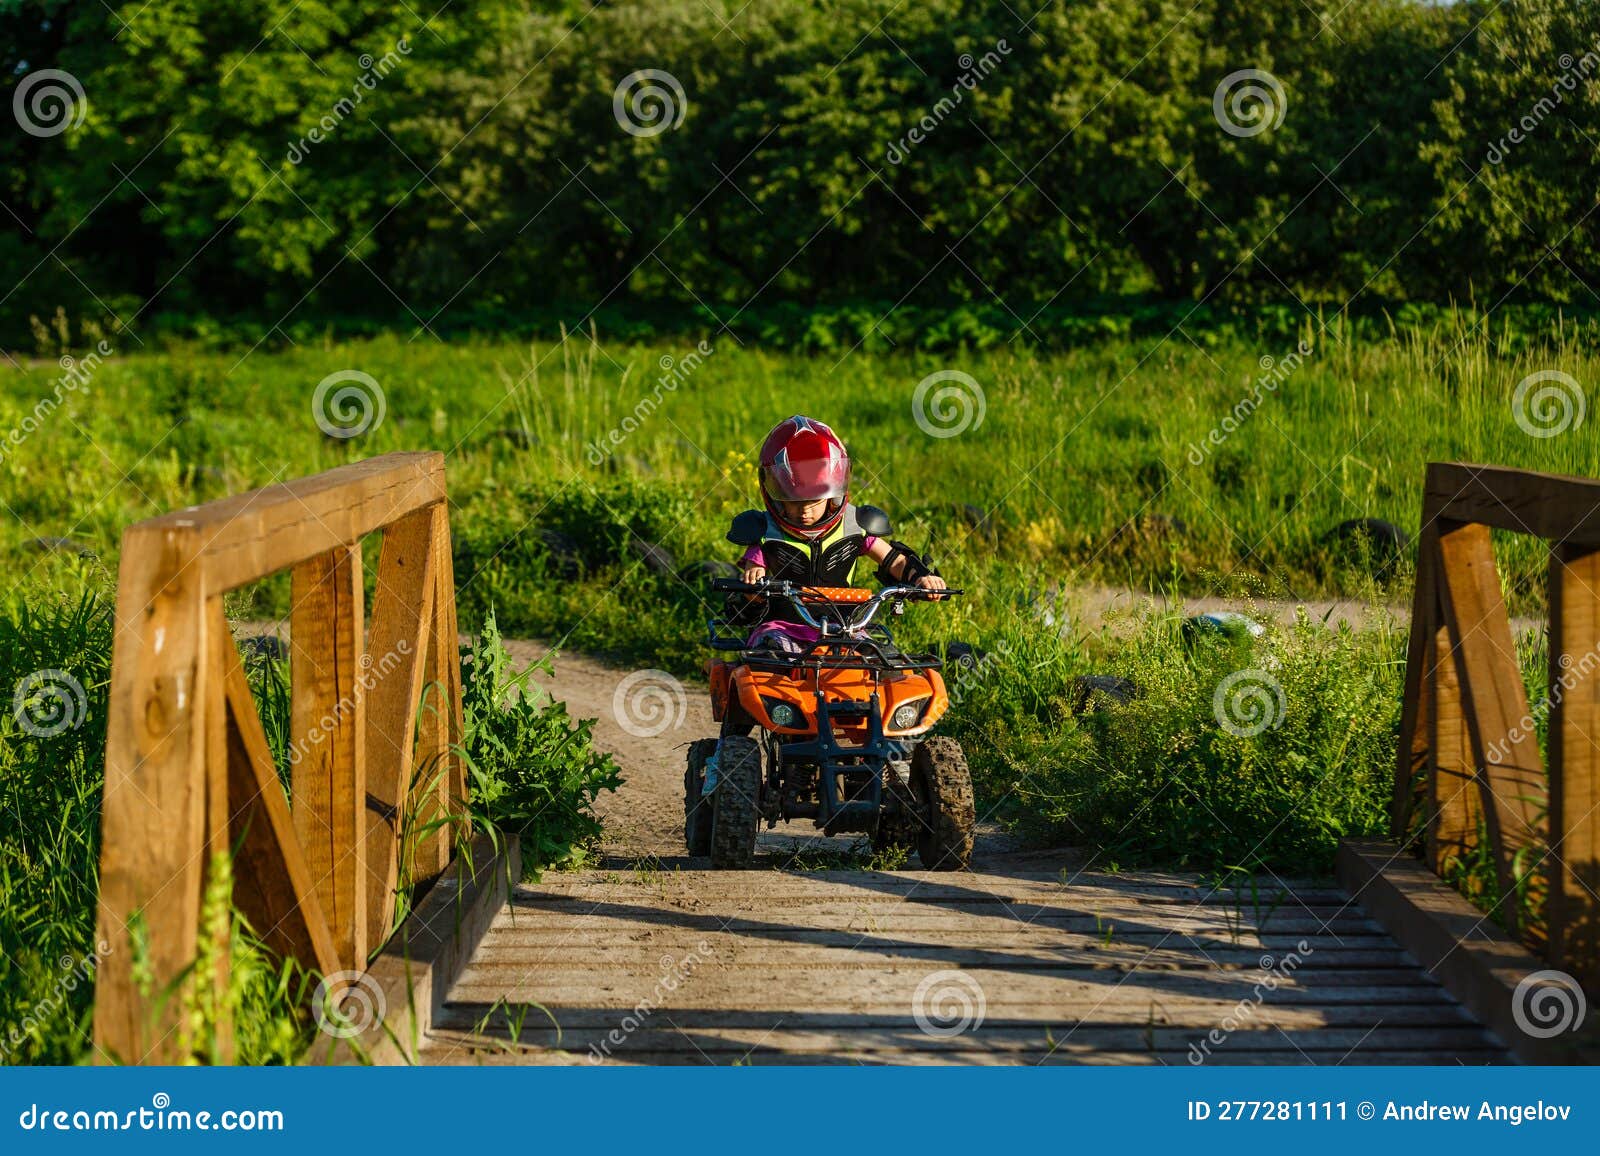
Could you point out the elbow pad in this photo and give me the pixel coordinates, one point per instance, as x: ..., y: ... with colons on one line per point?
x: 916, y: 567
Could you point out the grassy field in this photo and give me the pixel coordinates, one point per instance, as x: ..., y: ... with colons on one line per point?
x: 1184, y: 466
x: 1072, y: 450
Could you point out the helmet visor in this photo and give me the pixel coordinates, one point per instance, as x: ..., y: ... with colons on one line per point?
x: 809, y: 473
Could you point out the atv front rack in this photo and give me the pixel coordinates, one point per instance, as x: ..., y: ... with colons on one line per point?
x: 860, y: 811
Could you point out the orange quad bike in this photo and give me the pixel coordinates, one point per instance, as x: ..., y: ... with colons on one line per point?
x: 841, y: 734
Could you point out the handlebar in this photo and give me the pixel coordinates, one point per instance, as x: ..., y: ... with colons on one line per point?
x: 799, y: 594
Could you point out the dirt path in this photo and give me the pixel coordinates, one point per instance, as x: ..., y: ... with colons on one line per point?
x: 643, y: 819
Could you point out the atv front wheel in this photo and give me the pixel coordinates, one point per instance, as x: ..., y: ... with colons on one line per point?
x: 696, y: 807
x: 943, y: 785
x: 736, y: 803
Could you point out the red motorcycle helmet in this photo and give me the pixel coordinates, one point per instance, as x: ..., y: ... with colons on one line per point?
x: 804, y: 461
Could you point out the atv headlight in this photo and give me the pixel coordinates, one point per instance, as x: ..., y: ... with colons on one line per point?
x: 782, y: 714
x: 908, y: 715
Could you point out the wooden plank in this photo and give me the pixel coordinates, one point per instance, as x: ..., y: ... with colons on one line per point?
x: 402, y: 607
x: 1412, y: 754
x: 1454, y: 800
x: 440, y: 778
x: 919, y: 886
x: 449, y: 643
x: 1459, y: 945
x: 1504, y: 747
x: 328, y: 748
x: 496, y: 1055
x: 251, y: 535
x: 1552, y: 506
x: 219, y: 846
x: 1574, y: 741
x: 589, y: 1004
x: 459, y: 1026
x: 272, y: 884
x: 153, y: 817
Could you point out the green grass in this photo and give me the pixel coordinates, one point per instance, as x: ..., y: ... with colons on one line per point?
x: 1073, y: 446
x: 534, y: 772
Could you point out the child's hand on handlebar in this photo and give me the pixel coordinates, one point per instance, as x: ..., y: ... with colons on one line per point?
x: 752, y: 575
x: 931, y: 582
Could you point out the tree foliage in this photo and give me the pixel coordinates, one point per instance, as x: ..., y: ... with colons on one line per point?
x: 944, y: 152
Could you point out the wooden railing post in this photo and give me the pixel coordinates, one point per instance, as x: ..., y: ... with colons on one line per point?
x: 1574, y: 749
x: 328, y: 786
x: 443, y: 780
x: 1505, y: 748
x: 1455, y: 799
x: 402, y: 613
x: 153, y: 814
x: 1416, y: 704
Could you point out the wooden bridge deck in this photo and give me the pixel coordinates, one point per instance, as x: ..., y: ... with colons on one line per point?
x: 826, y: 967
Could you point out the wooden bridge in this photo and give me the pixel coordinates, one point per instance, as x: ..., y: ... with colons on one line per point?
x: 1028, y: 958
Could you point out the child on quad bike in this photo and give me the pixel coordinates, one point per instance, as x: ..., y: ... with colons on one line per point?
x: 809, y: 532
x: 822, y: 716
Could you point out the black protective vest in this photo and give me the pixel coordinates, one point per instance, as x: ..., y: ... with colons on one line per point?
x: 828, y: 561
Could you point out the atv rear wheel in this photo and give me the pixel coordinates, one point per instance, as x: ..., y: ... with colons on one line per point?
x: 943, y: 785
x: 696, y: 807
x: 736, y: 803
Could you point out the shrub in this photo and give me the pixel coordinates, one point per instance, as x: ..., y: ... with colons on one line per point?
x: 534, y: 770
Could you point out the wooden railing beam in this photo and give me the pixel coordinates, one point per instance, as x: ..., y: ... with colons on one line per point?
x: 1550, y: 506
